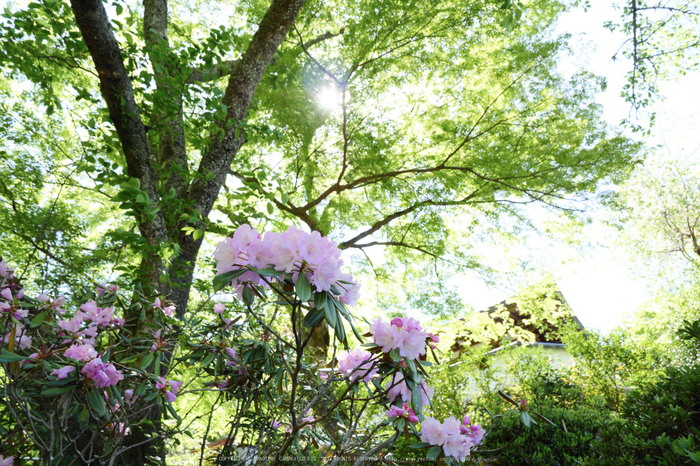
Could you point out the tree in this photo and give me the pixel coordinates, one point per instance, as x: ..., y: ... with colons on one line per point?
x: 411, y: 146
x: 662, y: 43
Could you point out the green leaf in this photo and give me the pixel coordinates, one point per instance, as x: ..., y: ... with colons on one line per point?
x: 508, y: 399
x: 269, y: 272
x: 97, y: 402
x: 7, y: 356
x: 546, y: 420
x: 248, y: 296
x: 313, y: 317
x: 320, y: 299
x: 55, y: 391
x: 395, y: 355
x: 38, y: 319
x: 206, y: 361
x: 400, y: 423
x: 83, y: 415
x: 223, y: 279
x: 420, y: 445
x: 433, y: 452
x: 303, y: 288
x: 331, y: 315
x: 197, y: 234
x: 525, y: 419
x: 417, y: 400
x: 146, y: 362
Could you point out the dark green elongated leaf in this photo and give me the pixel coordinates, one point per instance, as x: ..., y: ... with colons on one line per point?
x: 248, y: 296
x: 223, y: 279
x: 420, y: 445
x: 7, y: 356
x: 55, y: 391
x: 172, y: 411
x: 97, y: 402
x: 269, y: 272
x: 38, y: 319
x: 331, y: 315
x: 412, y: 369
x: 303, y: 288
x: 146, y: 361
x: 129, y: 359
x: 433, y: 452
x: 545, y: 420
x: 206, y: 361
x: 83, y: 415
x: 400, y: 423
x: 313, y: 317
x: 320, y: 300
x: 141, y: 390
x: 507, y: 398
x: 417, y: 400
x: 340, y: 332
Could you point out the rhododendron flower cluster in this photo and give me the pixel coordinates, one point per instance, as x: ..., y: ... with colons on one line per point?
x: 405, y: 333
x: 103, y: 374
x: 357, y: 364
x: 405, y: 412
x: 168, y: 310
x: 397, y: 388
x: 288, y: 252
x: 447, y: 435
x: 169, y: 388
x: 475, y: 431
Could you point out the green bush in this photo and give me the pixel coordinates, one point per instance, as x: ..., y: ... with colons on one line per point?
x: 542, y: 444
x: 659, y: 425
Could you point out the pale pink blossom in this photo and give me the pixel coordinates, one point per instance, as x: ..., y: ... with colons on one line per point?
x: 357, y: 364
x: 385, y: 335
x: 275, y: 424
x: 169, y: 388
x: 80, y: 352
x: 169, y: 311
x: 219, y: 308
x: 63, y: 372
x: 4, y: 272
x: 7, y: 294
x: 103, y: 374
x: 10, y: 459
x: 43, y: 298
x: 412, y: 343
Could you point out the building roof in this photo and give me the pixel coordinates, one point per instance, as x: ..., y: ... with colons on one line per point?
x: 546, y: 333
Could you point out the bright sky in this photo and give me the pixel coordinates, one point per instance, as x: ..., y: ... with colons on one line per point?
x: 599, y: 283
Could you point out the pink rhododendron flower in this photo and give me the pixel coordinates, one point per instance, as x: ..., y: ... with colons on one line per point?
x: 22, y: 341
x: 63, y: 372
x: 219, y: 308
x: 397, y: 388
x: 101, y: 373
x: 308, y: 418
x: 4, y: 272
x: 412, y: 344
x: 42, y: 298
x: 6, y: 293
x: 395, y: 411
x: 169, y: 311
x: 287, y: 252
x: 120, y: 429
x: 385, y: 335
x: 357, y: 364
x: 6, y: 461
x: 448, y: 436
x: 169, y: 388
x: 275, y: 424
x: 404, y: 333
x: 80, y: 352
